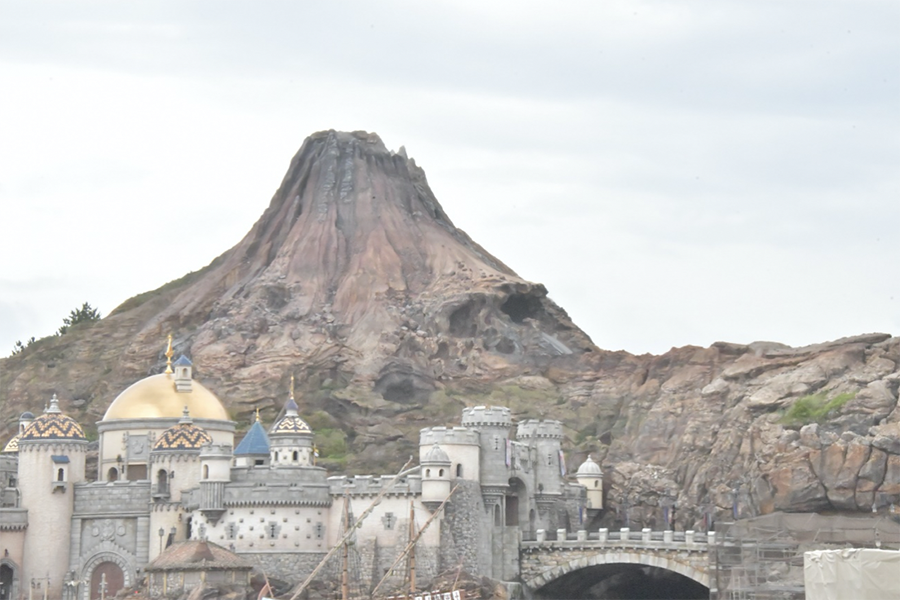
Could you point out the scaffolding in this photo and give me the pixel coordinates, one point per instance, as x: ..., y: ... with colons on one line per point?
x: 762, y: 558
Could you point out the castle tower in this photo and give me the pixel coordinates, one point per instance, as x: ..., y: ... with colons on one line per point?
x: 215, y: 473
x: 549, y: 469
x: 174, y: 466
x: 291, y: 439
x: 591, y: 477
x: 436, y: 476
x: 51, y: 461
x: 493, y: 425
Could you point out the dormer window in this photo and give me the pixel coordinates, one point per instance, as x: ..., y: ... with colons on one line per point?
x: 182, y: 374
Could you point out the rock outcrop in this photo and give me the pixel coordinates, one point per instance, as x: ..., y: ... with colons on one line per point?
x: 355, y: 281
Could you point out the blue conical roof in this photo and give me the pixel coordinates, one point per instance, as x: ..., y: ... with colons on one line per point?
x: 255, y: 442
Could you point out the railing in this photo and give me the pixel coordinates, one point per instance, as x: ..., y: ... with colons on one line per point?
x: 624, y: 537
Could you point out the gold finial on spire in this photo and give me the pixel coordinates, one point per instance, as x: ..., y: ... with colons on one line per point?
x: 169, y: 354
x: 257, y: 414
x: 292, y: 386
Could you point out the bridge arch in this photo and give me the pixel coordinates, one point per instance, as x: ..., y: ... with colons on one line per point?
x: 634, y: 557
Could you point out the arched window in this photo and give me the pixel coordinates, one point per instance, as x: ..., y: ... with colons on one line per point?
x: 162, y: 481
x: 441, y: 473
x: 112, y: 474
x: 459, y: 470
x: 427, y: 472
x: 596, y: 483
x: 61, y: 474
x: 205, y: 471
x: 296, y: 456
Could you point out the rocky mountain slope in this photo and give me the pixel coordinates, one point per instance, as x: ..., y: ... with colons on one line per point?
x: 355, y: 281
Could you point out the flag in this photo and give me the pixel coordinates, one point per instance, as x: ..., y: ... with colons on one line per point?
x: 508, y: 453
x: 562, y: 463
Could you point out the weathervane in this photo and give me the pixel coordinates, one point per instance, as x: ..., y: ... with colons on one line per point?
x: 169, y: 355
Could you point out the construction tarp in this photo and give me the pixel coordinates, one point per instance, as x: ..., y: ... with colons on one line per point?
x: 852, y: 573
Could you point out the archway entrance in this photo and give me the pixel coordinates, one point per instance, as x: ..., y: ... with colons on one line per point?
x: 623, y: 580
x: 7, y: 578
x: 110, y: 575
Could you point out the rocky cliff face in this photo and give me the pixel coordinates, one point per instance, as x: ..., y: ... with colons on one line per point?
x: 356, y: 281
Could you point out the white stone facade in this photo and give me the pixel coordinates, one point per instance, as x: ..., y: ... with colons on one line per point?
x: 168, y: 479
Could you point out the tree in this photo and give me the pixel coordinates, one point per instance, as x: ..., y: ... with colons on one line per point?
x: 85, y: 314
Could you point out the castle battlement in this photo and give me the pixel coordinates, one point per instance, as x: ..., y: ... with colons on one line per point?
x: 448, y: 436
x: 483, y: 416
x: 360, y: 485
x: 533, y: 428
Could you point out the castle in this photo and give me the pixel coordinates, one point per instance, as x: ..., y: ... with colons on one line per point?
x: 168, y: 471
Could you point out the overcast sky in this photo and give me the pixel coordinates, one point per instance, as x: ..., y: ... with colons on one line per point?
x: 674, y: 172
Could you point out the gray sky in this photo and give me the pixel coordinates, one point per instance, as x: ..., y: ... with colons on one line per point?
x: 674, y: 172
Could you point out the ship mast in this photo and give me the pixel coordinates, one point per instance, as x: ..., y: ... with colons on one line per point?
x: 345, y: 555
x: 412, y: 553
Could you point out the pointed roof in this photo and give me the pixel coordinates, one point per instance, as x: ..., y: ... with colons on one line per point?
x: 183, y: 361
x: 202, y: 555
x: 255, y: 442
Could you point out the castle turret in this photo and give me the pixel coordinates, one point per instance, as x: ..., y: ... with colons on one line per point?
x: 435, y: 477
x: 253, y: 451
x: 51, y: 460
x: 175, y: 467
x: 215, y: 469
x: 549, y: 467
x: 291, y: 439
x: 591, y: 477
x: 493, y: 425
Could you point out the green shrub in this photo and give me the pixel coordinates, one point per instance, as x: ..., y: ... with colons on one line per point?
x: 815, y: 408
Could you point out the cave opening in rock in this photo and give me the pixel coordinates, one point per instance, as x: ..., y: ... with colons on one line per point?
x: 522, y: 306
x: 623, y: 580
x: 462, y: 321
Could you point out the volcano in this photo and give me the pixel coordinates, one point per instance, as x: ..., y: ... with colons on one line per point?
x: 356, y: 282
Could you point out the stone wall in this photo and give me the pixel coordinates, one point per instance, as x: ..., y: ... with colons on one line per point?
x: 290, y: 566
x: 463, y: 530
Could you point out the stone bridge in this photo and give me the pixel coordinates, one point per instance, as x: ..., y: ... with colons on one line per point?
x: 544, y: 561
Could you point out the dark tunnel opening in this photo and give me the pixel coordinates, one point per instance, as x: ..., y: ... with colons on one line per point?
x: 621, y: 581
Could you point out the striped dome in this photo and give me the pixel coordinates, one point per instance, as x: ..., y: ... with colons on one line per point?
x: 291, y: 423
x: 184, y: 436
x: 12, y: 445
x: 53, y: 425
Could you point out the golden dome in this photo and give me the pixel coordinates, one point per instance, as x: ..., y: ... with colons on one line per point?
x: 155, y: 397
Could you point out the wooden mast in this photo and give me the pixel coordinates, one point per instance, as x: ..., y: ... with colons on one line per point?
x: 345, y: 555
x: 412, y: 553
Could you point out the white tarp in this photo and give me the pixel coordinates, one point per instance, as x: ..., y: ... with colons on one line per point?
x: 852, y: 574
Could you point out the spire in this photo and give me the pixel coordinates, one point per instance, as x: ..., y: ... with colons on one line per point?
x: 186, y: 417
x: 291, y: 408
x: 169, y: 355
x: 257, y: 414
x: 54, y: 406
